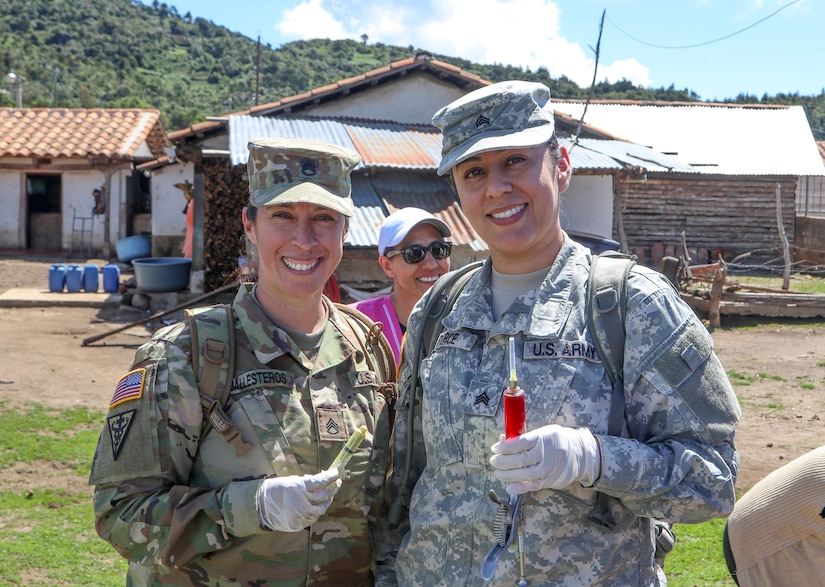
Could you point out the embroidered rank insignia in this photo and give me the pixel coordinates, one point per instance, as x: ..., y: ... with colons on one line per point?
x: 118, y: 429
x: 129, y: 387
x: 331, y: 425
x: 482, y: 398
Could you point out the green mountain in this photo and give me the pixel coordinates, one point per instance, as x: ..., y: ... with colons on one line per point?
x: 123, y: 53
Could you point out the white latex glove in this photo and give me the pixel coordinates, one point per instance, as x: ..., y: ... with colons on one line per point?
x: 550, y: 457
x: 290, y: 504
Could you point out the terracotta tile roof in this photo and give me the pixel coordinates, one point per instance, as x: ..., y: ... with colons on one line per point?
x: 113, y: 133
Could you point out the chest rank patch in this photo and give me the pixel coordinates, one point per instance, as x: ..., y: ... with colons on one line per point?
x: 482, y: 398
x: 331, y: 425
x: 129, y: 387
x: 560, y: 349
x: 119, y: 426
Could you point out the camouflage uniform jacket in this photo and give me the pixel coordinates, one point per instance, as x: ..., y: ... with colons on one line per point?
x: 182, y: 508
x: 675, y: 459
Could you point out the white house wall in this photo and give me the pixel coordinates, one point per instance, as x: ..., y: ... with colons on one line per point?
x: 411, y: 100
x: 77, y: 187
x: 587, y: 205
x: 12, y: 216
x: 168, y: 202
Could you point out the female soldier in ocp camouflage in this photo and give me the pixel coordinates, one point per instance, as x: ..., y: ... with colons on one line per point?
x: 183, y: 505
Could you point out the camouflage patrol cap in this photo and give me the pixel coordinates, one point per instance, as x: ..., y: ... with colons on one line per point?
x: 505, y: 115
x: 290, y: 171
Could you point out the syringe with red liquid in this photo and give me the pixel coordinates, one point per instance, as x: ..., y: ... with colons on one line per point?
x: 515, y: 418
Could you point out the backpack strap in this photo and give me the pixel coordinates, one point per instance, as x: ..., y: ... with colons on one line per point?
x: 442, y: 297
x: 212, y: 331
x: 606, y: 310
x: 364, y: 333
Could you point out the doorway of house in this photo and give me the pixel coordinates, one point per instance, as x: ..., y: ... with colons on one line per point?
x: 44, y: 211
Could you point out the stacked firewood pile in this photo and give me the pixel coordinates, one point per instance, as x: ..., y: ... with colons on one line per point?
x: 226, y: 192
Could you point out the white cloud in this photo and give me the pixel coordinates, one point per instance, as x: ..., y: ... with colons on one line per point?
x: 310, y: 20
x: 523, y: 33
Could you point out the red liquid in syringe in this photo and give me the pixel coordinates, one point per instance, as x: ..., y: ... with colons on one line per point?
x: 515, y: 418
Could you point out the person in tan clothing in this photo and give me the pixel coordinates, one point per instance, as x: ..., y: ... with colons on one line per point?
x: 776, y: 532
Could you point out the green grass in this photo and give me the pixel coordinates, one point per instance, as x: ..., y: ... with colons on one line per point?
x: 697, y: 560
x: 799, y: 282
x: 46, y: 518
x: 48, y: 534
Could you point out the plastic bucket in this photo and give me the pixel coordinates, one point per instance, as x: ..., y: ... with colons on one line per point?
x: 133, y: 247
x: 91, y: 279
x: 111, y: 278
x: 74, y: 278
x: 162, y: 273
x: 57, y: 277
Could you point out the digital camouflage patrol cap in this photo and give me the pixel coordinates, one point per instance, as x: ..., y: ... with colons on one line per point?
x: 505, y: 115
x: 292, y: 171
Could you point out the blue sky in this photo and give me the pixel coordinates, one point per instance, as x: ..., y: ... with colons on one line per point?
x: 717, y: 48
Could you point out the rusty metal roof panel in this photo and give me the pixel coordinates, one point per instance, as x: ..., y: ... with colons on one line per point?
x: 380, y: 144
x: 387, y: 144
x: 432, y: 193
x: 244, y: 128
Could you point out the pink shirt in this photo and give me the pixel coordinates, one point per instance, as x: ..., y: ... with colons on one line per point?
x: 380, y: 309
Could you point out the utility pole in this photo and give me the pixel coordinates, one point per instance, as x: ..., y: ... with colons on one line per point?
x: 17, y: 86
x: 257, y: 70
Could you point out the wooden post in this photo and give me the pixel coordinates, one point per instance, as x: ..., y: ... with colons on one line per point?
x: 786, y: 281
x: 714, y: 314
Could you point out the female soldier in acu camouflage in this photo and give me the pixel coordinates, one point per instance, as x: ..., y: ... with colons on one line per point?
x: 183, y: 505
x: 671, y: 456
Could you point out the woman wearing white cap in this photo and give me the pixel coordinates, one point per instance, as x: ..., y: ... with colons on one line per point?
x: 413, y: 254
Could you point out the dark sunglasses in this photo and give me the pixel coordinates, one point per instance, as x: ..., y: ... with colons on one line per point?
x: 416, y: 253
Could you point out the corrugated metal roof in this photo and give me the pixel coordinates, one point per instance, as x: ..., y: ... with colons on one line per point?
x: 370, y: 212
x: 601, y: 154
x: 432, y: 193
x: 244, y: 128
x: 714, y: 139
x: 398, y: 146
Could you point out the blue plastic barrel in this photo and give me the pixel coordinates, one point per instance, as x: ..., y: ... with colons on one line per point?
x: 74, y: 278
x: 111, y: 278
x: 57, y: 277
x: 91, y: 278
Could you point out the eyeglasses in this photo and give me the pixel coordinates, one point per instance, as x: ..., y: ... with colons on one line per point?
x: 416, y: 253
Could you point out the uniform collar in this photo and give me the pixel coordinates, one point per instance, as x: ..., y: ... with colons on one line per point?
x: 541, y: 312
x: 269, y: 341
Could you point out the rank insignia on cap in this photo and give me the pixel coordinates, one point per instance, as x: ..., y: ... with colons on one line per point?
x: 309, y: 168
x: 118, y: 429
x: 129, y: 387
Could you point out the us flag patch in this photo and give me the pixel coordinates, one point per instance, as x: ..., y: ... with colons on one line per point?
x: 129, y: 387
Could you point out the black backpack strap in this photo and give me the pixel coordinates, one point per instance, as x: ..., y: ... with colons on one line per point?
x: 442, y: 297
x: 212, y: 331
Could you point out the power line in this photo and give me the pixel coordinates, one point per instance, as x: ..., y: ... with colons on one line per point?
x: 706, y: 42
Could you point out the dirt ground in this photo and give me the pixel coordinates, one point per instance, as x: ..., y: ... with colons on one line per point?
x: 778, y: 370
